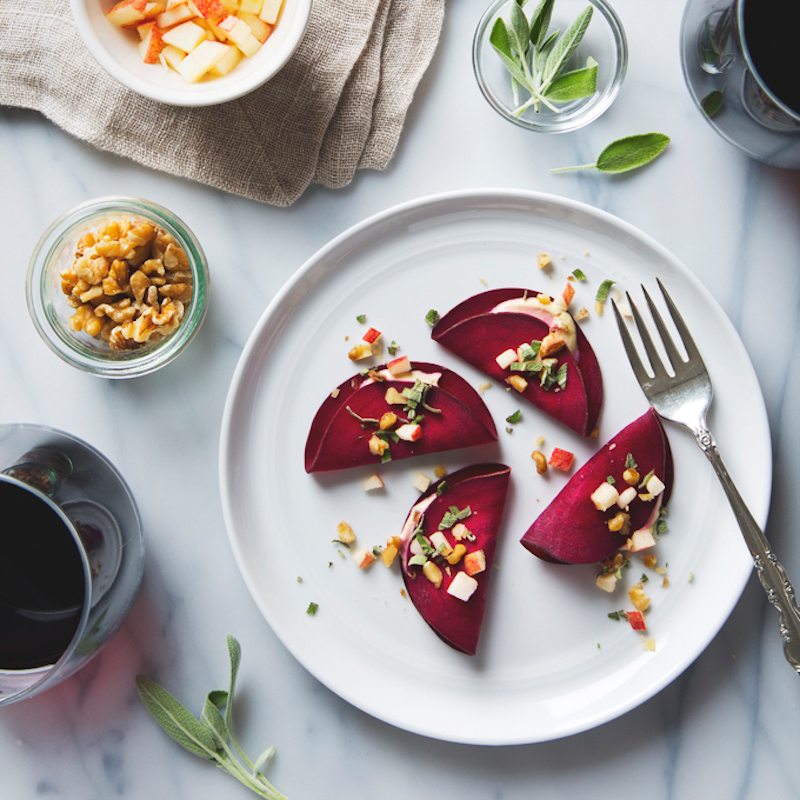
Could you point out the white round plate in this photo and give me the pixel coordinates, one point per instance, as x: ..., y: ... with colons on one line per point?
x: 550, y: 662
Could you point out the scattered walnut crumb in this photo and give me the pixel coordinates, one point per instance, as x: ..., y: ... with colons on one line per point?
x: 483, y: 281
x: 544, y: 261
x: 650, y: 644
x: 690, y: 577
x: 347, y: 338
x: 335, y: 393
x: 661, y: 571
x: 649, y: 560
x: 582, y: 314
x: 484, y: 387
x: 586, y: 254
x: 439, y: 471
x: 540, y: 441
x: 403, y: 593
x: 665, y: 583
x: 595, y: 434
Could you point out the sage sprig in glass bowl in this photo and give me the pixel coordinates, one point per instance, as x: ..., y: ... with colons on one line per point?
x: 552, y: 67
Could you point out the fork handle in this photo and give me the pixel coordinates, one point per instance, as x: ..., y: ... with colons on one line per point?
x: 770, y: 571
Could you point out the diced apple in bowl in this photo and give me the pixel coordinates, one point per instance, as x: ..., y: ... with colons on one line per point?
x: 197, y: 39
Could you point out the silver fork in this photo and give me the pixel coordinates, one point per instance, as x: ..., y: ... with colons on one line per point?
x: 685, y: 398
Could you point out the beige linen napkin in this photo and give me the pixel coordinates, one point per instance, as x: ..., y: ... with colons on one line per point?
x: 337, y: 106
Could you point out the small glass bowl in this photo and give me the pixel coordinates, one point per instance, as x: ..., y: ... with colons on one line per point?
x: 604, y: 41
x: 50, y: 311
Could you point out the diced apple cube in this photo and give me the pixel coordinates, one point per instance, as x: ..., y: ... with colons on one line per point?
x: 475, y: 562
x: 641, y: 540
x: 363, y: 558
x: 462, y: 587
x: 250, y: 6
x: 201, y: 60
x: 415, y: 548
x: 173, y: 3
x: 262, y: 31
x: 374, y: 482
x: 127, y: 13
x: 171, y: 57
x: 410, y: 432
x: 604, y: 496
x: 240, y: 34
x: 655, y: 486
x: 270, y: 10
x: 174, y: 16
x: 151, y: 46
x: 421, y: 482
x: 153, y: 9
x: 208, y: 9
x: 506, y: 358
x: 144, y: 29
x: 440, y: 543
x: 393, y: 397
x: 627, y: 497
x: 399, y: 366
x: 231, y: 6
x: 185, y: 37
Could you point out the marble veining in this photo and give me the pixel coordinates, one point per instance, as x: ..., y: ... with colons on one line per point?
x: 727, y: 728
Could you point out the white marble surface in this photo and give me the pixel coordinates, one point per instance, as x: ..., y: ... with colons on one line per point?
x: 726, y: 729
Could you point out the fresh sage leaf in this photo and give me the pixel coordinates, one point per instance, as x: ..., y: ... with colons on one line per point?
x: 566, y: 45
x: 520, y: 30
x: 543, y: 52
x: 235, y: 657
x: 626, y: 154
x: 632, y: 152
x: 574, y: 85
x: 210, y: 737
x: 713, y: 103
x: 176, y: 720
x: 213, y: 718
x: 499, y: 38
x: 263, y: 760
x: 540, y: 22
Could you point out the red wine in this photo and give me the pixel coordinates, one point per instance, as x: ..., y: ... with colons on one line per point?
x: 41, y: 581
x: 772, y: 41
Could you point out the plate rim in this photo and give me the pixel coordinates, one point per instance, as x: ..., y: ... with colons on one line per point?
x: 486, y: 195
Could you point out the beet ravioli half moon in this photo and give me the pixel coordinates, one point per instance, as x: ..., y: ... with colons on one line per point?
x: 574, y: 528
x: 432, y: 409
x: 530, y: 341
x: 449, y: 542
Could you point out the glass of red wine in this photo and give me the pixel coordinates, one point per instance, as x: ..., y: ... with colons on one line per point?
x: 71, y: 556
x: 738, y: 62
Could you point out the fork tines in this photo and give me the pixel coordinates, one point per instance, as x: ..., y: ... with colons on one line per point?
x: 676, y: 361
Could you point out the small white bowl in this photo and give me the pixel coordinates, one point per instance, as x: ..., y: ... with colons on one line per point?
x: 116, y: 51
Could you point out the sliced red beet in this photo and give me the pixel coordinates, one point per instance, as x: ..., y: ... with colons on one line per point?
x: 571, y: 530
x: 473, y: 332
x: 337, y: 439
x: 483, y: 488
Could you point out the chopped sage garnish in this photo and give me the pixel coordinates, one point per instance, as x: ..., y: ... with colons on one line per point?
x: 513, y: 419
x: 453, y: 515
x: 630, y: 463
x: 432, y: 317
x: 579, y: 274
x: 361, y: 319
x: 312, y: 609
x: 441, y: 488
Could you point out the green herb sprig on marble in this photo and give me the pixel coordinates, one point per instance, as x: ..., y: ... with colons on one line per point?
x: 537, y: 58
x: 211, y: 735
